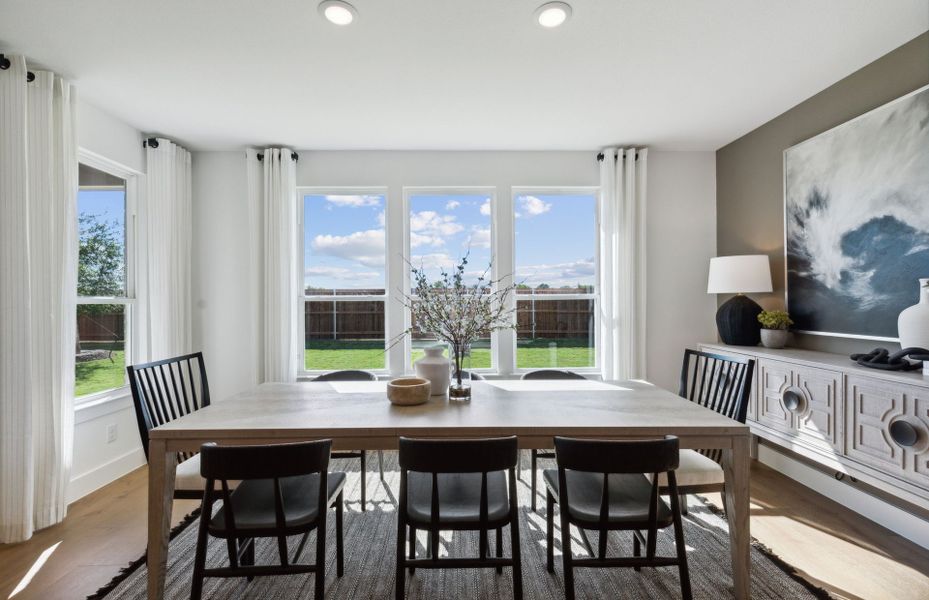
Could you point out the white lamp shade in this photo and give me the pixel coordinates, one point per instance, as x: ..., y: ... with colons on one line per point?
x: 739, y: 274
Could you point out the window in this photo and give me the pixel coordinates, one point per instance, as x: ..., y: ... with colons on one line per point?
x: 556, y: 246
x: 443, y: 227
x: 344, y: 280
x: 104, y: 284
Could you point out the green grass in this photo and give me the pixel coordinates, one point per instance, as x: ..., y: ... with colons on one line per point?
x: 329, y: 355
x: 98, y: 375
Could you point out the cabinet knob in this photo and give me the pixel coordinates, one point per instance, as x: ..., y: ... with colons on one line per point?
x: 904, y: 434
x: 792, y: 400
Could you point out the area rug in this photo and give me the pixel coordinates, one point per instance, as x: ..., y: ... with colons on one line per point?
x: 370, y: 540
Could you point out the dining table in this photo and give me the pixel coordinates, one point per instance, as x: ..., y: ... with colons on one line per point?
x: 358, y: 416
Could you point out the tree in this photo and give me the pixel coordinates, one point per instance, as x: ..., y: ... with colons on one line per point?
x: 101, y: 265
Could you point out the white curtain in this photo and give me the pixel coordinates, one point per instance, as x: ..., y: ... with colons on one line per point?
x: 622, y: 263
x: 168, y: 238
x: 273, y: 200
x: 38, y: 286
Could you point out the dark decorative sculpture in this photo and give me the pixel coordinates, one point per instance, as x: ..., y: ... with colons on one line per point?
x: 881, y: 358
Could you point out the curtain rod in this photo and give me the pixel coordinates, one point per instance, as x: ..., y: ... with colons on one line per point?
x: 601, y: 156
x: 293, y: 155
x: 5, y: 64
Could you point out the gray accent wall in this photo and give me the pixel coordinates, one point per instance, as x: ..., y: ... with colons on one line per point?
x: 749, y: 171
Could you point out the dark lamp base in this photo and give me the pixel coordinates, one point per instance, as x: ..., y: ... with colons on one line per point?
x: 737, y: 321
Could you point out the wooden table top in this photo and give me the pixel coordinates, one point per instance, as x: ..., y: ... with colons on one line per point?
x: 498, y: 407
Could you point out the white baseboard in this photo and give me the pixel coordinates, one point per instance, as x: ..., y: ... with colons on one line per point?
x: 108, y: 472
x: 893, y: 518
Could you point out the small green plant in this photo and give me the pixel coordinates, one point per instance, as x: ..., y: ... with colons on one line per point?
x: 775, y: 319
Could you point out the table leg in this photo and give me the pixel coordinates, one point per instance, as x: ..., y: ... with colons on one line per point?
x: 736, y: 465
x: 161, y: 469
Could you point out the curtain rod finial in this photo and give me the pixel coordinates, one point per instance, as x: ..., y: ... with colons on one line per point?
x: 150, y: 142
x: 4, y: 62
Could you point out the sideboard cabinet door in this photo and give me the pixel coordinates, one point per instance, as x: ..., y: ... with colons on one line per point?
x: 871, y: 407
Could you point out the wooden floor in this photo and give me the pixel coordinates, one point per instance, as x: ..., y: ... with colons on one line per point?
x: 832, y: 546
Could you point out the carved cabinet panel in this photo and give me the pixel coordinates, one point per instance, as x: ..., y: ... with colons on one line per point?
x: 801, y: 401
x: 774, y: 378
x: 820, y: 420
x: 872, y: 406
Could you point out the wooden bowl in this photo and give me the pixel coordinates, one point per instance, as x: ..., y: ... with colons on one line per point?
x: 408, y: 391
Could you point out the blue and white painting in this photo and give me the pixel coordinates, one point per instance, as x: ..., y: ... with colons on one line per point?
x: 857, y: 221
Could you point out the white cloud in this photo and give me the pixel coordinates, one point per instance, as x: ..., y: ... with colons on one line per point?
x: 364, y: 247
x: 381, y: 219
x: 531, y: 206
x: 452, y: 205
x: 340, y: 273
x: 353, y: 200
x: 485, y: 208
x: 480, y: 237
x: 417, y: 240
x: 566, y: 274
x: 436, y: 260
x: 431, y: 223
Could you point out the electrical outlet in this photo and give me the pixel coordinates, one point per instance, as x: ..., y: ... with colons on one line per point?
x: 111, y: 433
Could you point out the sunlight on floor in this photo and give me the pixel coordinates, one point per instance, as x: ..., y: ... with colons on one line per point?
x: 34, y: 569
x: 813, y: 550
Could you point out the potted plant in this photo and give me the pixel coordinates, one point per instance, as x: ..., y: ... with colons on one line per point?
x: 458, y: 313
x: 774, y: 324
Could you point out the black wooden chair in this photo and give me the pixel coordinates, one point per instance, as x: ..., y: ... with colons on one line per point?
x: 600, y: 485
x: 460, y: 485
x: 163, y: 391
x: 356, y: 375
x: 284, y: 490
x: 537, y: 454
x: 720, y: 383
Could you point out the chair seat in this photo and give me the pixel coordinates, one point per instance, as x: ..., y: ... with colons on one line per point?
x: 459, y: 499
x: 694, y: 469
x: 629, y: 498
x: 253, y: 503
x: 187, y: 478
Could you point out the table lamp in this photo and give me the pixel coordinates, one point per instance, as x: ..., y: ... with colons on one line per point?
x: 737, y: 318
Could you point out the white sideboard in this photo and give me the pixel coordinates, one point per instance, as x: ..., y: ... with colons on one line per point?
x: 870, y: 424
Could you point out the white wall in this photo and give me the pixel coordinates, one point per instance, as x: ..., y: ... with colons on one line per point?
x: 223, y: 314
x: 98, y: 461
x: 109, y: 137
x: 681, y: 231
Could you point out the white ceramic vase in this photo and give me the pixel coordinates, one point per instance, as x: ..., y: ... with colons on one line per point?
x: 913, y: 323
x: 436, y: 368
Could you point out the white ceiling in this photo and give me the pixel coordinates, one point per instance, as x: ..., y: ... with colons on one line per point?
x: 454, y: 74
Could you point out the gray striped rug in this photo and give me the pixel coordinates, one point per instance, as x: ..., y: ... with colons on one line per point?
x: 370, y: 546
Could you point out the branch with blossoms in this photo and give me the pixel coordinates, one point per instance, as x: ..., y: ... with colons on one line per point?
x: 454, y: 311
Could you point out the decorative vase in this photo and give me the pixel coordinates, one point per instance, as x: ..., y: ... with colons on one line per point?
x: 773, y: 338
x: 913, y: 323
x: 436, y: 368
x: 460, y: 388
x: 737, y: 321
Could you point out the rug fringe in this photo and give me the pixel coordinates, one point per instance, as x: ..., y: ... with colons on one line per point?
x: 132, y: 567
x: 791, y: 571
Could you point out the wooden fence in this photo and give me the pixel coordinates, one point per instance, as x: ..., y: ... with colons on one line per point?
x: 101, y: 328
x: 535, y: 318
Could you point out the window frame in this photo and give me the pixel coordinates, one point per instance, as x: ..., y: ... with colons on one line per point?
x: 458, y: 190
x: 594, y: 191
x: 302, y: 297
x: 133, y: 342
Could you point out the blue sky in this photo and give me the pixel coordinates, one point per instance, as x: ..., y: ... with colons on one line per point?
x: 345, y: 248
x: 104, y: 205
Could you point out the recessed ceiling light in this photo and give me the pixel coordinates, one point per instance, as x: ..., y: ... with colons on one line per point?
x: 552, y: 14
x: 338, y: 12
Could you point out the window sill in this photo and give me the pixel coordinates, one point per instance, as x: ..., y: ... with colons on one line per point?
x: 97, y: 405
